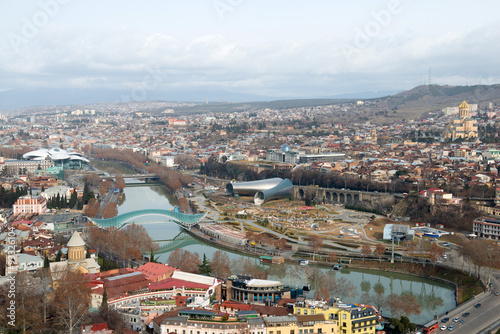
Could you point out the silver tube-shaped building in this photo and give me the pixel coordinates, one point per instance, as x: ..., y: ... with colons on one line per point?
x: 252, y: 187
x: 283, y: 189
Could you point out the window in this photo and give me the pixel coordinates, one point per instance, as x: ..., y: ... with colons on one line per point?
x: 305, y: 312
x: 311, y: 331
x: 300, y: 331
x: 344, y: 316
x: 298, y: 311
x: 312, y: 312
x: 292, y: 331
x: 183, y: 331
x: 319, y: 330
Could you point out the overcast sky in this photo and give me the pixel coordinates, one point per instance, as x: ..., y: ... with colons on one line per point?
x: 278, y: 48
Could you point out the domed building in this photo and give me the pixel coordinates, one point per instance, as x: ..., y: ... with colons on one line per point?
x: 462, y: 126
x: 76, y: 262
x: 60, y: 157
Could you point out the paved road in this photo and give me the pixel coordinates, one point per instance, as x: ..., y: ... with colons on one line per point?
x: 479, y: 318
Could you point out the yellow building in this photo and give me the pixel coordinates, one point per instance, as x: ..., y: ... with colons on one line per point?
x: 462, y: 126
x: 300, y: 324
x: 350, y: 319
x: 77, y: 261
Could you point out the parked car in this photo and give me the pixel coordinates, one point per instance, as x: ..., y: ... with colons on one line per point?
x: 457, y: 319
x: 465, y: 314
x: 478, y: 305
x: 497, y: 293
x: 445, y: 320
x: 450, y: 327
x: 443, y: 328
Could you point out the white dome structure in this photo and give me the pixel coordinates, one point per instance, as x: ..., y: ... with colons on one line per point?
x: 61, y: 157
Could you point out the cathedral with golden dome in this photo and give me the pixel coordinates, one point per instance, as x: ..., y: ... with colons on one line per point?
x: 462, y: 126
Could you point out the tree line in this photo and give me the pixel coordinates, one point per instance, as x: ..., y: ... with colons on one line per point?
x: 300, y: 177
x: 219, y: 266
x: 172, y: 179
x: 127, y: 243
x: 9, y: 197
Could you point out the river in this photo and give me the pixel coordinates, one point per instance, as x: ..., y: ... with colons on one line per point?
x: 435, y: 297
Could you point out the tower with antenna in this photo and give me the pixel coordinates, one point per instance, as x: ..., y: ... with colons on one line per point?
x: 429, y: 82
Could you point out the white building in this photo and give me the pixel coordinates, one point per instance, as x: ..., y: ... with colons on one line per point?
x: 486, y: 228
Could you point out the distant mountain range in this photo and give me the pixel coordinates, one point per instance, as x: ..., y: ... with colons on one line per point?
x: 410, y: 103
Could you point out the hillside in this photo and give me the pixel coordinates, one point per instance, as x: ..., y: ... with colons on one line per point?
x: 423, y: 99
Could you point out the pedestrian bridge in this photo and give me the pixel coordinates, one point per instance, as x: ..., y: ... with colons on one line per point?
x: 182, y: 219
x: 178, y: 242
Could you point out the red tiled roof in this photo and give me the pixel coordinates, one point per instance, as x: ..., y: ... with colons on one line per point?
x: 95, y: 327
x: 236, y: 306
x: 170, y: 283
x: 155, y: 270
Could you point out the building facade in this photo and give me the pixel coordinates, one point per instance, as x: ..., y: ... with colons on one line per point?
x: 207, y: 322
x: 257, y: 291
x: 300, y: 324
x: 350, y: 318
x: 30, y: 204
x: 487, y: 228
x: 462, y: 126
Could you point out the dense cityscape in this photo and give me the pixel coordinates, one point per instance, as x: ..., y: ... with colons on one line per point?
x: 249, y: 167
x: 352, y: 188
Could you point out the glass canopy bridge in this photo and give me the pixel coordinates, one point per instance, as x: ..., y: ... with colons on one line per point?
x: 182, y: 219
x: 180, y: 241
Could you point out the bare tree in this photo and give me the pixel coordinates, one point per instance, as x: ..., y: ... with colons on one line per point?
x: 120, y: 183
x: 93, y: 180
x: 378, y: 298
x: 435, y: 253
x: 92, y: 208
x: 280, y: 244
x: 175, y: 258
x: 365, y: 251
x: 109, y: 210
x: 72, y: 300
x: 345, y: 289
x: 332, y: 257
x: 316, y: 243
x: 221, y: 265
x: 380, y: 251
x: 322, y: 292
x: 183, y: 204
x: 405, y: 304
x: 105, y: 185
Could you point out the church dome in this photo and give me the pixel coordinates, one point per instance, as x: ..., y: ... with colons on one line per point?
x: 76, y: 240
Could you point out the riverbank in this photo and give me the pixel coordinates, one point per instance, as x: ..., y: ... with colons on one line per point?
x: 465, y: 286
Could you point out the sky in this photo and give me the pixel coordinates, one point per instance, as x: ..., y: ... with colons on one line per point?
x: 140, y: 50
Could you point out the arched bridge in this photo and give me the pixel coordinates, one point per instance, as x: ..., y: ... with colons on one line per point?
x: 177, y: 242
x: 182, y: 219
x: 342, y: 196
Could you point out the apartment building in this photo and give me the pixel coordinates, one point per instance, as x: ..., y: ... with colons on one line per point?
x: 30, y: 204
x: 351, y: 318
x: 486, y: 228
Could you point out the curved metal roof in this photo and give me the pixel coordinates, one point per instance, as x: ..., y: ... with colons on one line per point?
x: 252, y: 187
x: 283, y: 189
x: 55, y: 154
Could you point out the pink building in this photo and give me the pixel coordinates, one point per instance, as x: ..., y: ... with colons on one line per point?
x: 30, y: 204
